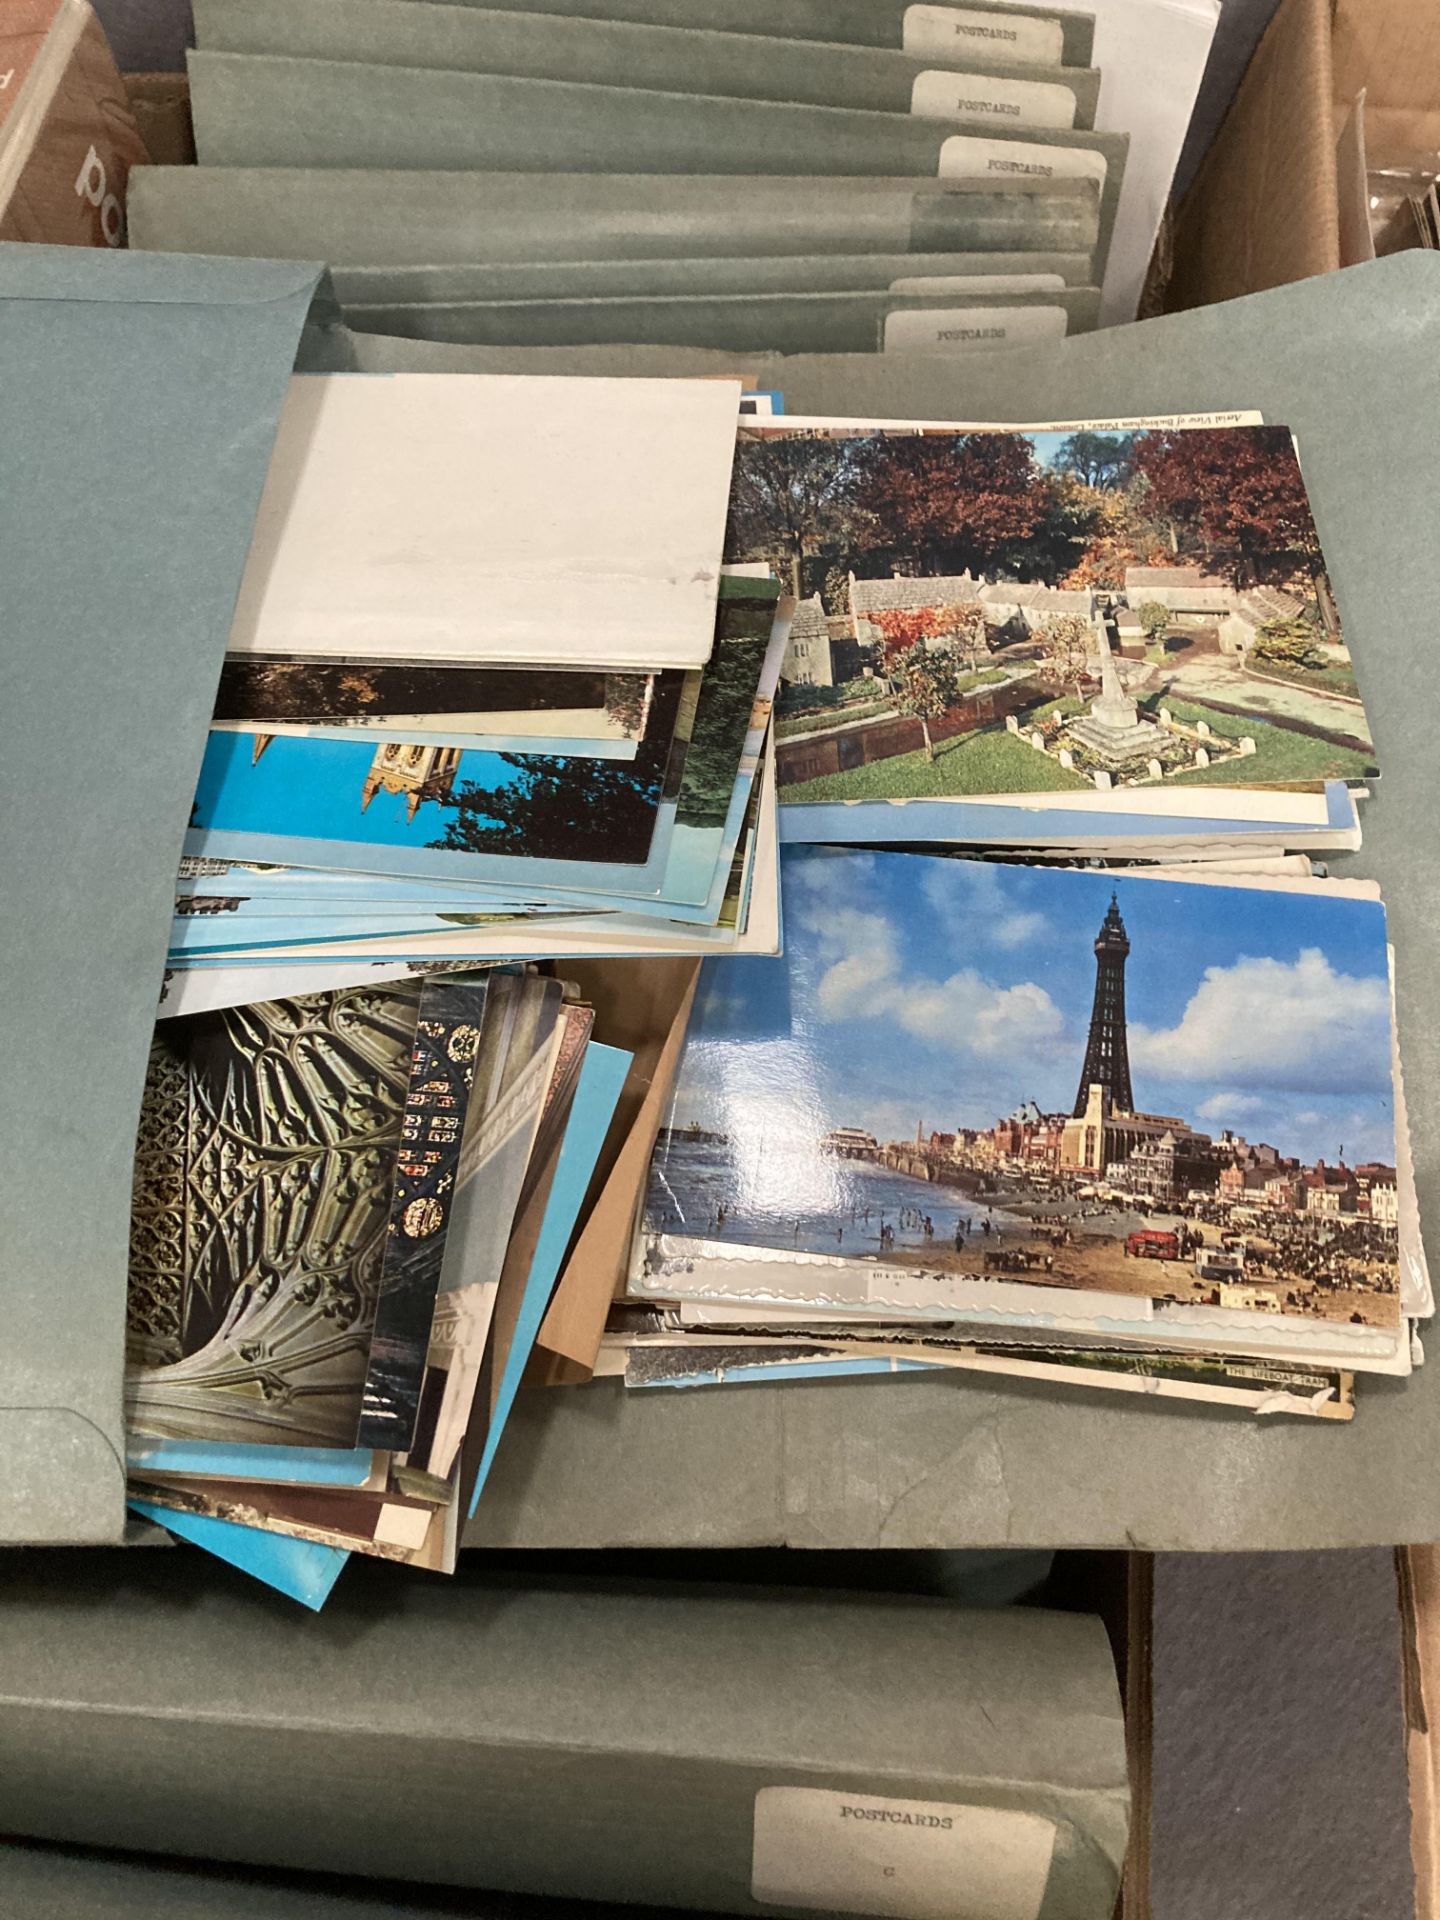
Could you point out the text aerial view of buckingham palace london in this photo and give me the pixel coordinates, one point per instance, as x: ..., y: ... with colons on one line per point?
x: 999, y: 612
x: 1051, y: 1076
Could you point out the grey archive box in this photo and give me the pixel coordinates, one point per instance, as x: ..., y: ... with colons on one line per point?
x: 1348, y: 361
x: 740, y: 1751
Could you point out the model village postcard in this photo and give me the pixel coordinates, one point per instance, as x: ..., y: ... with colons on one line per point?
x: 1010, y: 612
x: 965, y: 1072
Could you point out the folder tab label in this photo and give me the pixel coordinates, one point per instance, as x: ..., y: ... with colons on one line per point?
x: 936, y: 95
x: 970, y: 156
x: 963, y: 329
x: 979, y: 283
x: 933, y: 31
x: 914, y: 1859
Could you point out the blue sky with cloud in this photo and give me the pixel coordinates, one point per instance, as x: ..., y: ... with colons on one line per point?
x: 917, y: 988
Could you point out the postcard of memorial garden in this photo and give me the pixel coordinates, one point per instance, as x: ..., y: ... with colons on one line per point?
x: 1007, y: 612
x: 1077, y: 1080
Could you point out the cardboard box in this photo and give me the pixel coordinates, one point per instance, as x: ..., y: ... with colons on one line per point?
x: 739, y: 1750
x: 1274, y: 199
x: 1419, y: 1571
x: 67, y: 136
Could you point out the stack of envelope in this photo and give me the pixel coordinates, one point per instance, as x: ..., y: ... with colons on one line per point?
x: 808, y: 177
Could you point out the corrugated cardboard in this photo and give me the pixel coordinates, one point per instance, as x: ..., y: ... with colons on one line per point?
x: 1262, y: 210
x: 1266, y: 206
x: 1391, y: 49
x: 1419, y: 1570
x: 67, y: 136
x: 588, y: 1740
x: 160, y: 103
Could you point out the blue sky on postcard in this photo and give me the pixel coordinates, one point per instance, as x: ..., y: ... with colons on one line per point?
x: 943, y: 993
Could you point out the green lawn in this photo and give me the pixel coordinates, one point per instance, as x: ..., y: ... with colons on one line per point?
x: 1279, y: 756
x: 1323, y: 679
x: 990, y: 761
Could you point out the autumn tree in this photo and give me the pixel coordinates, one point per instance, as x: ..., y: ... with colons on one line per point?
x: 950, y: 502
x: 791, y: 501
x: 925, y: 687
x: 1097, y: 459
x: 1071, y: 515
x: 1069, y: 648
x: 1236, y: 493
x: 1155, y: 619
x: 901, y: 628
x: 968, y: 627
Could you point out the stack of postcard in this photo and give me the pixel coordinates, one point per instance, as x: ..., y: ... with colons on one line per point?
x: 1136, y: 1131
x: 1116, y: 638
x: 801, y: 177
x: 351, y: 1210
x: 490, y: 692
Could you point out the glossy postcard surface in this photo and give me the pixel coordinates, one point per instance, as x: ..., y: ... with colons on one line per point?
x: 265, y: 1129
x: 1120, y: 1086
x: 1027, y: 612
x: 427, y: 810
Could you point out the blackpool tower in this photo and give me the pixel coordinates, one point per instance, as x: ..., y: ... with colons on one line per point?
x: 1107, y: 1052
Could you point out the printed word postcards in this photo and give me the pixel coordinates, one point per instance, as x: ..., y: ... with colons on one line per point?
x: 1108, y: 624
x: 1123, y: 1130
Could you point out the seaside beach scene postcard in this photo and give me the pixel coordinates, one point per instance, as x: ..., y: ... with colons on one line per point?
x: 995, y: 612
x: 1093, y: 1082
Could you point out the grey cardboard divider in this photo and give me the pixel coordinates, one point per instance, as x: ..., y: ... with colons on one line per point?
x: 629, y: 54
x: 254, y: 110
x: 359, y: 288
x: 137, y: 414
x: 577, y: 1738
x: 832, y: 322
x: 860, y: 23
x: 388, y: 217
x: 1348, y: 362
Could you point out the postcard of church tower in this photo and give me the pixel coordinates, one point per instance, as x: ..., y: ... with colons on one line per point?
x: 1106, y: 1084
x: 995, y: 612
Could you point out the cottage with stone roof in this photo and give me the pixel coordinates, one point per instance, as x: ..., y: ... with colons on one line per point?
x: 937, y: 593
x: 1027, y: 607
x: 821, y: 652
x: 1254, y: 609
x: 1189, y: 594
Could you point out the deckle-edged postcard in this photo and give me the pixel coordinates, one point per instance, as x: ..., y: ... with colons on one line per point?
x: 989, y: 612
x: 964, y: 1073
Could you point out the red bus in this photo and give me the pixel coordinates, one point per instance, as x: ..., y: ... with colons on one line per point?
x: 1153, y: 1245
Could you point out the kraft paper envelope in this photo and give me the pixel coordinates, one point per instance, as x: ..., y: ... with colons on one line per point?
x: 263, y: 111
x: 389, y: 218
x: 623, y: 54
x: 137, y: 420
x: 360, y: 288
x: 1347, y: 361
x: 1011, y: 32
x: 949, y: 320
